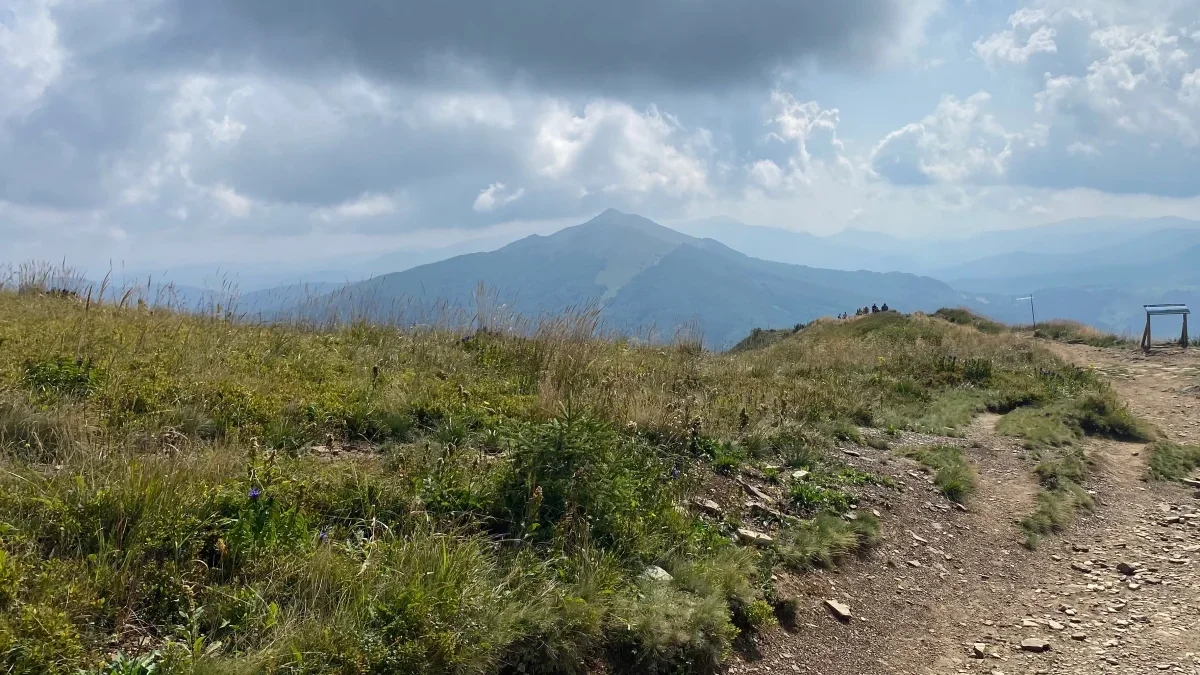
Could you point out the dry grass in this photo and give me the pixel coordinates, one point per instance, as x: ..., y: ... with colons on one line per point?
x: 1074, y: 332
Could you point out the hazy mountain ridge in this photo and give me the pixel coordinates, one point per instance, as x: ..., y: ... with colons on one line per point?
x: 646, y: 275
x: 727, y: 277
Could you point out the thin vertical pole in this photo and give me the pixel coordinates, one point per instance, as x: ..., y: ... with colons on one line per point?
x: 1183, y: 339
x: 1146, y: 334
x: 1031, y: 312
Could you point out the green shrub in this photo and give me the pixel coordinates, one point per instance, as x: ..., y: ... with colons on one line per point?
x: 809, y: 498
x: 729, y: 459
x: 62, y: 377
x: 37, y: 640
x: 576, y: 472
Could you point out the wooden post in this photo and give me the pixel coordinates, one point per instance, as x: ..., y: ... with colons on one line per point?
x: 1183, y: 339
x: 1146, y: 334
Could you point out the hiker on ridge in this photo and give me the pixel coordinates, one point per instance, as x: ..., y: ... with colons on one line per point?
x: 874, y: 308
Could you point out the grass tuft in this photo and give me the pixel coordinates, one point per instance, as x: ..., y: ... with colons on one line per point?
x: 952, y: 473
x: 1172, y: 462
x: 1073, y: 332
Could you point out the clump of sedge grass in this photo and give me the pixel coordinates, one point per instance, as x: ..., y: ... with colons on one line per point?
x: 952, y: 472
x: 1172, y: 461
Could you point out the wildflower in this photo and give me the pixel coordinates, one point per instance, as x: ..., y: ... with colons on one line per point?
x: 255, y: 493
x: 322, y: 536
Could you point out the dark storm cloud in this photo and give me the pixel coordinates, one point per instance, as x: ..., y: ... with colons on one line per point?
x: 682, y: 43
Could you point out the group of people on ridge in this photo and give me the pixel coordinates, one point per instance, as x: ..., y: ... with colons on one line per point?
x: 864, y: 311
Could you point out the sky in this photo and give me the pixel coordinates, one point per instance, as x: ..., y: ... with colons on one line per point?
x: 168, y: 131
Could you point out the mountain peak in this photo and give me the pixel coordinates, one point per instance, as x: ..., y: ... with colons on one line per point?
x: 612, y: 222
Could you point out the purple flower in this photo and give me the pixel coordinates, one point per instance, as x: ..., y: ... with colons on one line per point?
x: 322, y: 536
x: 255, y: 493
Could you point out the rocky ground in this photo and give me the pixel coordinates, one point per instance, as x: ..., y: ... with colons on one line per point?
x: 955, y: 591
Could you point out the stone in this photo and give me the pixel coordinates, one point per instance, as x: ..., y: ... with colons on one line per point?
x: 765, y: 512
x: 710, y: 507
x: 1081, y: 567
x: 800, y: 475
x: 1128, y: 569
x: 1036, y: 645
x: 656, y: 573
x: 840, y: 610
x: 979, y: 650
x: 755, y: 492
x: 1079, y: 637
x: 1054, y: 625
x: 747, y: 536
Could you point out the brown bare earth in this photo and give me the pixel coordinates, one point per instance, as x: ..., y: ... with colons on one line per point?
x: 956, y: 591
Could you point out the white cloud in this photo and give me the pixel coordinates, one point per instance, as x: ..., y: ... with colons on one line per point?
x: 230, y: 201
x: 1004, y: 46
x: 228, y: 130
x: 1127, y: 87
x: 496, y: 195
x: 31, y: 57
x: 961, y: 141
x: 767, y: 174
x: 1081, y: 148
x: 610, y: 146
x: 366, y: 206
x: 813, y: 151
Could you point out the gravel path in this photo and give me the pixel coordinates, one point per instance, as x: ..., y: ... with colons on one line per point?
x: 956, y: 592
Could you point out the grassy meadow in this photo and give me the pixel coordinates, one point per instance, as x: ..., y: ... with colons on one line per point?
x: 192, y: 493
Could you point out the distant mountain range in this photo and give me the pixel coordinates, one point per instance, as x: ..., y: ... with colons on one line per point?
x: 644, y: 276
x: 1099, y: 271
x: 723, y: 277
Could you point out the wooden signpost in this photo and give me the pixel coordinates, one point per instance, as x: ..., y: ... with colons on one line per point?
x: 1161, y: 310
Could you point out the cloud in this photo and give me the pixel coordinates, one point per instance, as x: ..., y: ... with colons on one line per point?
x: 593, y: 45
x: 960, y: 142
x: 495, y: 195
x: 365, y: 206
x: 807, y: 135
x: 1004, y: 46
x: 230, y: 201
x: 1117, y: 100
x: 170, y: 120
x: 608, y: 146
x: 32, y: 58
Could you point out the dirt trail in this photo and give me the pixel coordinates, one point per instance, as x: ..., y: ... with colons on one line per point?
x: 945, y: 580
